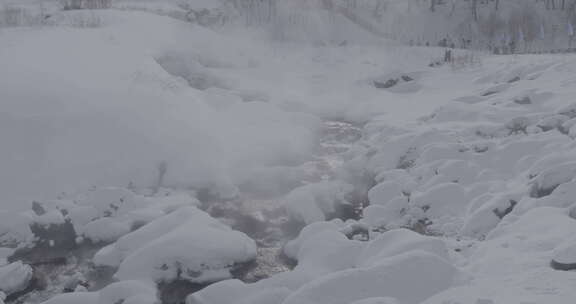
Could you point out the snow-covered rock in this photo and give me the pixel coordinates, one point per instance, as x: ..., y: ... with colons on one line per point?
x: 399, y: 241
x: 128, y: 292
x: 105, y: 230
x: 564, y: 257
x: 75, y: 298
x: 384, y: 192
x: 14, y: 227
x: 318, y: 201
x: 443, y: 200
x: 186, y: 244
x: 379, y: 300
x: 485, y: 218
x: 572, y: 211
x: 292, y: 248
x: 15, y: 277
x: 328, y: 251
x: 410, y: 277
x: 551, y: 178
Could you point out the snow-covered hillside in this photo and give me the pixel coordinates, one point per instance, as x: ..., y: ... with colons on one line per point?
x: 148, y: 156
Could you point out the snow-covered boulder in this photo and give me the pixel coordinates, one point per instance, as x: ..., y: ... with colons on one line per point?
x: 317, y: 202
x: 569, y: 110
x: 382, y: 193
x: 133, y: 292
x: 485, y: 218
x: 193, y: 253
x: 292, y: 248
x: 268, y: 296
x: 399, y: 241
x: 572, y: 211
x: 551, y: 122
x: 14, y: 228
x: 328, y: 251
x: 75, y: 298
x: 565, y: 256
x: 125, y: 292
x: 549, y: 179
x: 447, y: 199
x: 410, y: 277
x: 4, y: 254
x: 105, y: 230
x: 378, y: 216
x: 379, y: 300
x: 185, y: 244
x: 110, y: 201
x: 15, y: 277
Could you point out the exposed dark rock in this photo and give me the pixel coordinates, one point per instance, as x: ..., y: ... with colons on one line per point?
x: 562, y: 266
x: 523, y: 101
x: 38, y: 209
x: 572, y: 212
x: 385, y: 85
x: 391, y: 82
x: 564, y: 257
x: 537, y: 192
x: 407, y: 78
x: 502, y: 213
x: 518, y: 125
x: 61, y: 236
x: 175, y: 292
x: 569, y: 111
x: 489, y: 93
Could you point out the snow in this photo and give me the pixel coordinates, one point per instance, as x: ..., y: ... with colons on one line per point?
x: 105, y: 230
x: 316, y: 202
x: 192, y: 252
x: 566, y: 253
x: 380, y: 300
x: 396, y: 242
x: 128, y: 292
x: 14, y: 277
x: 73, y: 298
x: 382, y: 193
x: 162, y: 250
x: 133, y: 126
x: 410, y: 277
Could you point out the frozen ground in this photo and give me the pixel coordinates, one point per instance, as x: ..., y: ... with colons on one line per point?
x: 165, y: 158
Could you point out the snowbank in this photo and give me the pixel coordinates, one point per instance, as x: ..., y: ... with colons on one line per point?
x: 410, y: 277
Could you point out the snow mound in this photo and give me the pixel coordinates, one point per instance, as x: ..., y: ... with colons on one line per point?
x: 129, y: 292
x: 15, y: 277
x: 399, y: 241
x: 100, y: 215
x: 379, y: 300
x: 410, y: 277
x: 564, y: 257
x: 318, y: 201
x: 186, y: 244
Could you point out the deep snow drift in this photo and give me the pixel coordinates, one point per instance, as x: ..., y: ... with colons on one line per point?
x: 146, y: 159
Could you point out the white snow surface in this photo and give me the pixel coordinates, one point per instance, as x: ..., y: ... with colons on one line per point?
x: 122, y: 127
x: 14, y: 277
